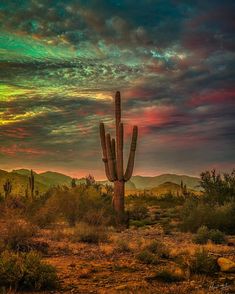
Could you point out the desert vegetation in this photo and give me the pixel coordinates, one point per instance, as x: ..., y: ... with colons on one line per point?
x: 68, y: 239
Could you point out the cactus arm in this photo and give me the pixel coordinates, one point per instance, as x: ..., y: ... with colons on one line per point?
x: 111, y: 163
x: 113, y: 146
x: 103, y: 144
x: 117, y: 110
x: 130, y: 164
x: 120, y: 152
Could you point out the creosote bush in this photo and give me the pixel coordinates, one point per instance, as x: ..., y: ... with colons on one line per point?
x: 138, y: 212
x: 196, y: 213
x: 152, y: 252
x: 45, y: 215
x: 26, y: 271
x: 84, y: 204
x: 18, y: 234
x: 147, y: 257
x: 217, y: 237
x: 158, y: 248
x: 122, y: 246
x: 89, y: 233
x: 203, y: 263
x: 204, y: 234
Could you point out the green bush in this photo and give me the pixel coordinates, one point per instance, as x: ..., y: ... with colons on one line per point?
x: 139, y: 224
x: 90, y: 234
x: 217, y: 237
x: 147, y: 257
x: 138, y: 212
x: 122, y: 246
x: 203, y: 263
x: 158, y: 248
x: 202, y: 235
x: 218, y: 188
x: 26, y: 271
x: 198, y: 213
x: 84, y: 204
x: 45, y: 216
x: 18, y: 234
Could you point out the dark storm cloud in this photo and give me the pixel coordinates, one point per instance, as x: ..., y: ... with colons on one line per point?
x: 61, y: 61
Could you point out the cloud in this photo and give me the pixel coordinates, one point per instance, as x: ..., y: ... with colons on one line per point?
x: 61, y: 63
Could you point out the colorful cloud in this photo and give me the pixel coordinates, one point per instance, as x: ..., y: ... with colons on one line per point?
x: 62, y: 61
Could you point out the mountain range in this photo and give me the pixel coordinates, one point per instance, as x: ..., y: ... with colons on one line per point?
x: 45, y: 180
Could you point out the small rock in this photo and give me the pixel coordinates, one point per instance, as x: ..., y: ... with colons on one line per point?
x: 226, y: 265
x: 231, y: 244
x: 121, y: 287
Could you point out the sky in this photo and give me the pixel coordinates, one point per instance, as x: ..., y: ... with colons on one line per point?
x: 62, y: 61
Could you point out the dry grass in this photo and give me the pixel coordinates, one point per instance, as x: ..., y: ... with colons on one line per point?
x: 86, y: 262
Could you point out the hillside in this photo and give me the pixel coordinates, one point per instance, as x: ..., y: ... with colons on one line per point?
x: 142, y: 182
x: 162, y: 189
x: 19, y: 183
x: 167, y: 188
x: 157, y: 185
x: 129, y: 185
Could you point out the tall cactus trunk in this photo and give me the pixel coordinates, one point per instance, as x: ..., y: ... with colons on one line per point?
x: 31, y: 184
x: 113, y: 159
x: 119, y: 194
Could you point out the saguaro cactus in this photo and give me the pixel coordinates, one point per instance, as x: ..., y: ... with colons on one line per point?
x: 113, y: 158
x: 7, y: 186
x: 31, y: 184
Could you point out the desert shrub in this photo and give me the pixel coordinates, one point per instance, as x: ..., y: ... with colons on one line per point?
x: 158, y: 248
x: 96, y: 217
x: 18, y: 234
x: 203, y: 263
x: 45, y: 216
x: 217, y: 237
x: 122, y: 246
x: 197, y: 213
x: 194, y: 215
x: 138, y: 212
x: 43, y: 210
x: 85, y: 204
x: 202, y: 235
x: 147, y: 257
x: 26, y: 271
x: 141, y: 223
x: 218, y: 188
x: 90, y: 234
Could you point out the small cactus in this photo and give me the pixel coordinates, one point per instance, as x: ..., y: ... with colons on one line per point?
x: 31, y: 184
x: 7, y: 188
x: 113, y: 158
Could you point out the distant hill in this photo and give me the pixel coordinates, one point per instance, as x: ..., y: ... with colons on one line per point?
x: 158, y: 184
x: 19, y: 183
x: 166, y: 188
x: 142, y: 182
x: 129, y: 185
x: 49, y: 178
x: 162, y: 189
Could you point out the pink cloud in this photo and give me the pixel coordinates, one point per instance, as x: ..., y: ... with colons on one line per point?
x: 14, y: 150
x: 154, y: 116
x: 222, y: 96
x: 17, y: 132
